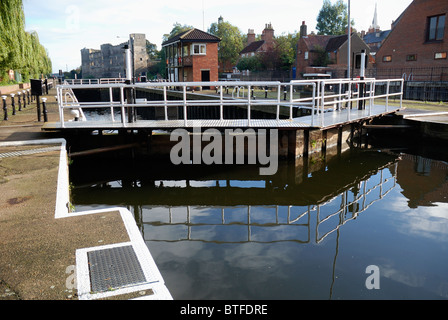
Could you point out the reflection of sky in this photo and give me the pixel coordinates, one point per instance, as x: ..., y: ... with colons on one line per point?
x: 409, y: 245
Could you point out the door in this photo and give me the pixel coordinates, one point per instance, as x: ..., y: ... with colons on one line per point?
x: 205, y: 77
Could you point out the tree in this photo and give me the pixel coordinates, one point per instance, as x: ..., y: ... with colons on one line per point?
x: 250, y: 63
x: 286, y: 50
x: 20, y: 50
x: 177, y: 28
x: 231, y: 43
x: 333, y: 19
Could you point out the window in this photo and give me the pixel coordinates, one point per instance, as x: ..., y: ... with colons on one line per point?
x: 387, y: 59
x: 199, y: 49
x: 185, y: 50
x: 306, y: 55
x: 440, y: 55
x: 436, y: 28
x: 411, y: 57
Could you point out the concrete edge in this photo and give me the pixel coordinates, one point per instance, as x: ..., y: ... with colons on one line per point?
x: 62, y: 210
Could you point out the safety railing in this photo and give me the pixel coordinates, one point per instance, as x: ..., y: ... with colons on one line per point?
x: 93, y: 81
x: 316, y: 97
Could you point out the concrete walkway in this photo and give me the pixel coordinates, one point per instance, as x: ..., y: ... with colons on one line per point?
x: 37, y: 250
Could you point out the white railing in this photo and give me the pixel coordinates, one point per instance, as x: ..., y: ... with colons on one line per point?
x: 316, y: 96
x: 93, y: 81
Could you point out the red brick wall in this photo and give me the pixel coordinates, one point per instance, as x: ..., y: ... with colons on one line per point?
x: 206, y: 62
x: 408, y: 37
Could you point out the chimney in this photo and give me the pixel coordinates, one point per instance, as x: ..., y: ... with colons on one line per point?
x: 303, y: 30
x: 250, y: 36
x: 268, y: 34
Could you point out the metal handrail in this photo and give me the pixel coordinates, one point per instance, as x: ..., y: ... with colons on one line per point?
x: 319, y: 101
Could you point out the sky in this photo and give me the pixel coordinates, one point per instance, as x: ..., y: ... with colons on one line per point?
x: 67, y: 26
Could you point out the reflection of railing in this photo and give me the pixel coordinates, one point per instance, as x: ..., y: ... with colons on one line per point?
x: 264, y: 224
x: 357, y: 205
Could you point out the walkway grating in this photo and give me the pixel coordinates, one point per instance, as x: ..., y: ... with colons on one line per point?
x: 114, y: 268
x: 28, y: 152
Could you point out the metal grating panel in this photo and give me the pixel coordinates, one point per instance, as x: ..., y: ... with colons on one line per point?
x: 114, y: 268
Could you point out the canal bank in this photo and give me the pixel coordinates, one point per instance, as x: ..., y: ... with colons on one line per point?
x: 42, y: 242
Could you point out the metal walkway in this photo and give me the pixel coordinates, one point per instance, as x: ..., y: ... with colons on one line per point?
x: 327, y: 103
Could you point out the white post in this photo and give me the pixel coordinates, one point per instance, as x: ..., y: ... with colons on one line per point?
x: 349, y: 50
x: 111, y: 99
x: 128, y: 64
x: 248, y: 105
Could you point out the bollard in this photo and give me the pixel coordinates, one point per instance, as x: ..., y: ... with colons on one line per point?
x: 266, y: 93
x: 5, y: 108
x: 38, y: 108
x: 24, y: 98
x: 19, y: 100
x: 28, y: 94
x: 13, y: 105
x: 44, y: 106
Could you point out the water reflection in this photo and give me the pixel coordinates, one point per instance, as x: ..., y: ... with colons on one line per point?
x: 308, y: 232
x: 241, y: 208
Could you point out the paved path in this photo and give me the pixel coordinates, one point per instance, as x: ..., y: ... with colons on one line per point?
x: 38, y: 251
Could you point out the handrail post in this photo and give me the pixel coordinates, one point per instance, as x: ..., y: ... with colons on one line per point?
x: 165, y: 103
x: 61, y: 106
x: 249, y: 101
x: 185, y: 104
x: 387, y: 95
x: 313, y: 108
x: 322, y: 93
x: 402, y: 92
x: 291, y: 97
x: 111, y: 99
x: 279, y: 97
x: 221, y: 106
x: 123, y: 114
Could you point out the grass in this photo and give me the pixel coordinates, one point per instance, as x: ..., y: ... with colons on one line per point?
x: 420, y: 105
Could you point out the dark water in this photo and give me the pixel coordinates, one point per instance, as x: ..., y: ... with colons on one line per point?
x: 309, y: 232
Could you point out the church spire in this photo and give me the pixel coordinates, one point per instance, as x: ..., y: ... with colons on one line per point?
x: 375, y: 25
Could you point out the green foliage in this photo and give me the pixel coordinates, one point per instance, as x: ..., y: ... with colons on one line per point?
x: 250, y: 63
x: 321, y: 57
x: 231, y: 41
x: 333, y: 18
x: 20, y: 50
x: 177, y: 28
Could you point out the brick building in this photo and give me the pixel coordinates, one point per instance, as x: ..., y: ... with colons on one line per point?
x: 192, y: 56
x: 266, y: 43
x: 327, y: 53
x: 417, y: 45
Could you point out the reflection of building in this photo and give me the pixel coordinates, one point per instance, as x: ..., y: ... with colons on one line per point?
x: 424, y: 181
x: 109, y: 61
x: 192, y: 56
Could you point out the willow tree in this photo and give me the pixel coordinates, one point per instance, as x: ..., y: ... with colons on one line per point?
x: 20, y: 50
